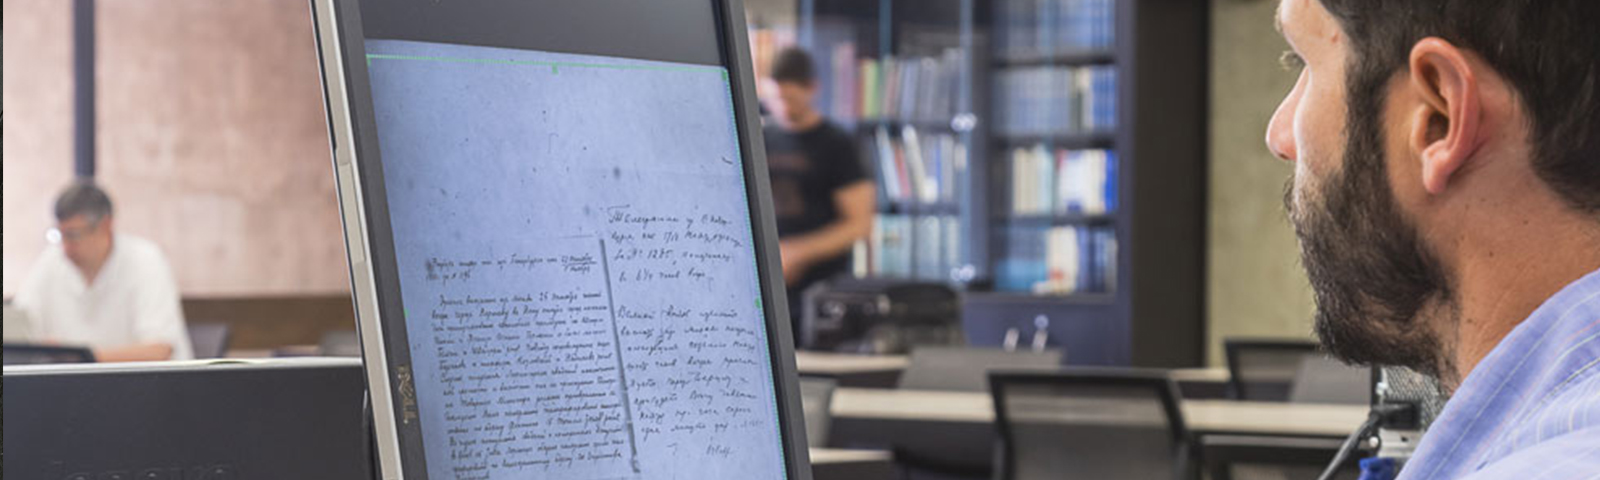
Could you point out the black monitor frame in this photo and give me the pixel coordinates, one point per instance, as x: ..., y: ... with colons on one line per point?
x: 47, y: 354
x: 369, y: 236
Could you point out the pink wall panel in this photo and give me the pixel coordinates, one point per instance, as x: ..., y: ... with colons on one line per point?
x: 38, y: 126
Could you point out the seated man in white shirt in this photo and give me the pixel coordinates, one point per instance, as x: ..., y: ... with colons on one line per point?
x: 113, y: 293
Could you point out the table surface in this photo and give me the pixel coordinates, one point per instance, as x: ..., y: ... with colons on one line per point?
x: 835, y: 455
x: 1205, y: 416
x: 826, y: 363
x: 835, y: 363
x: 1213, y: 374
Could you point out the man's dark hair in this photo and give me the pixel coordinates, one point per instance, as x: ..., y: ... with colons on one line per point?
x: 793, y: 65
x: 83, y: 198
x: 1546, y: 49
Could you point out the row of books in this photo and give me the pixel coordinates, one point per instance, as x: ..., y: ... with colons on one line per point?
x: 1051, y: 100
x: 905, y: 89
x: 1061, y: 181
x: 921, y: 247
x: 1033, y: 28
x: 1058, y: 260
x: 918, y: 168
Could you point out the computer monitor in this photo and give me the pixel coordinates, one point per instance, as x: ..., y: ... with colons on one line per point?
x: 187, y: 420
x: 560, y: 238
x: 32, y: 354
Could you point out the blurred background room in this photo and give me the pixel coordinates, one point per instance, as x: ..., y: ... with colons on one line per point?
x: 1048, y: 182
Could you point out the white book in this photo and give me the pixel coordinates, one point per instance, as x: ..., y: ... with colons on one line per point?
x: 1019, y: 181
x: 891, y: 173
x: 926, y: 191
x: 1045, y: 175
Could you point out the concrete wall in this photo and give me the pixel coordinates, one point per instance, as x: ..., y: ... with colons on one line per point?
x: 1255, y: 286
x: 212, y: 139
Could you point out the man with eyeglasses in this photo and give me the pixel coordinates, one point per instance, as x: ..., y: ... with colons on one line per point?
x: 111, y: 292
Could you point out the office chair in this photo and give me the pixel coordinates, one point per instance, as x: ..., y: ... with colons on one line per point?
x: 340, y: 343
x: 816, y: 402
x: 29, y: 354
x: 1293, y: 371
x: 1321, y: 379
x: 966, y: 369
x: 1098, y: 423
x: 210, y: 339
x: 1264, y: 370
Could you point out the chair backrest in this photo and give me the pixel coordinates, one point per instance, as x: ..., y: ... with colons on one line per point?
x: 1321, y: 379
x: 340, y: 343
x: 1264, y: 370
x: 1100, y: 423
x: 29, y: 354
x: 816, y: 403
x: 210, y: 339
x: 966, y: 369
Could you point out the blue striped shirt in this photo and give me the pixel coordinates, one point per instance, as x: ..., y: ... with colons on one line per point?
x: 1531, y: 409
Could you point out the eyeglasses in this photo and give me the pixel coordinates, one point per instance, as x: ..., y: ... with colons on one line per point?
x: 59, y: 235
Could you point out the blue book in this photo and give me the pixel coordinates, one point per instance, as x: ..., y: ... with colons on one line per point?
x: 1086, y: 263
x: 1011, y: 275
x: 1110, y: 187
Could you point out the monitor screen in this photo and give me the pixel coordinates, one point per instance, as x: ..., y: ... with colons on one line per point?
x: 568, y: 229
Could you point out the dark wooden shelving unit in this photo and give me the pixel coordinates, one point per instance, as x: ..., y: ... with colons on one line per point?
x: 1076, y: 58
x: 1153, y: 315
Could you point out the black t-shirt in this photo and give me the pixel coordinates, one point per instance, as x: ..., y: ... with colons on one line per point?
x: 807, y: 168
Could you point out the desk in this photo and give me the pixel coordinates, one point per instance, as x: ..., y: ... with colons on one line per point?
x: 248, y: 353
x: 958, y: 426
x: 852, y: 370
x: 837, y: 464
x: 1208, y: 374
x: 1203, y: 416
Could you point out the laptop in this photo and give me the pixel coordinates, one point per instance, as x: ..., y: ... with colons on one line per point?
x: 561, y: 239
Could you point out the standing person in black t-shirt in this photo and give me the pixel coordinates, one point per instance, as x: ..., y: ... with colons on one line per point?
x: 823, y: 198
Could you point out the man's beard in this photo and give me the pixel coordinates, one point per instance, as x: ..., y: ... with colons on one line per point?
x: 1372, y: 276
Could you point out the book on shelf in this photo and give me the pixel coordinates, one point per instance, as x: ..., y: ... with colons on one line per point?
x: 1054, y: 100
x: 844, y: 99
x: 1047, y: 182
x: 1060, y: 260
x: 917, y: 169
x: 899, y: 89
x: 1038, y: 28
x: 920, y: 173
x: 910, y: 246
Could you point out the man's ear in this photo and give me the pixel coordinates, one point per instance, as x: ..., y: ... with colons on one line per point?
x: 1444, y: 126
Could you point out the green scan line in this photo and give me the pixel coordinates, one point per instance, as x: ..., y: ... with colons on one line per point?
x: 553, y: 65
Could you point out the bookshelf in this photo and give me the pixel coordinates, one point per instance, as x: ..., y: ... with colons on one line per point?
x: 1044, y: 156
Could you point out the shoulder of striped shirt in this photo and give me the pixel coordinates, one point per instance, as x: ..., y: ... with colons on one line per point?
x: 1574, y: 455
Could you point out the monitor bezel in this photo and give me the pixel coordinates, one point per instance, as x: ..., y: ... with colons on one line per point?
x: 370, y: 248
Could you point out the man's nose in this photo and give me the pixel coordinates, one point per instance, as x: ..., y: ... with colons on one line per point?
x: 1280, y: 131
x: 1280, y: 137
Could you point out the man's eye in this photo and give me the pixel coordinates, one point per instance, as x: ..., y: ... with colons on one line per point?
x: 1291, y: 61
